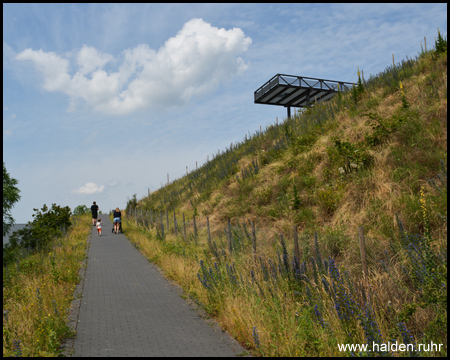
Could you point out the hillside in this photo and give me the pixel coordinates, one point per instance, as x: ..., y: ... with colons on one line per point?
x: 374, y: 158
x: 396, y: 149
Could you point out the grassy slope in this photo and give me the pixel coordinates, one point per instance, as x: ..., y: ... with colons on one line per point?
x: 369, y: 197
x: 290, y: 175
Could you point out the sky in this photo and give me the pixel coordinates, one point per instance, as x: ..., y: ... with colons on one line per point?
x: 102, y: 101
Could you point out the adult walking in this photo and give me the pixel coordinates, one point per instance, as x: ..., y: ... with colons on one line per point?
x: 94, y: 210
x: 117, y: 217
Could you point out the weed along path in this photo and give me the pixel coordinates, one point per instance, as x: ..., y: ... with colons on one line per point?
x: 128, y: 308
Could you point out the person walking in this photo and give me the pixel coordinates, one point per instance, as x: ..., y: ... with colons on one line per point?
x: 116, y: 220
x: 94, y: 210
x: 99, y: 227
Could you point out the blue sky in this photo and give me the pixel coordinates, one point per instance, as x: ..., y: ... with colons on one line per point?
x: 102, y: 101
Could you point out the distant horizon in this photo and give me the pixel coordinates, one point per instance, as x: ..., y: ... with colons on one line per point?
x: 14, y: 227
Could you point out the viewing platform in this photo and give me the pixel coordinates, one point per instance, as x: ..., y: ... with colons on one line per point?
x: 298, y: 91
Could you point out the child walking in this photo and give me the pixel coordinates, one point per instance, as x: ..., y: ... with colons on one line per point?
x: 99, y: 227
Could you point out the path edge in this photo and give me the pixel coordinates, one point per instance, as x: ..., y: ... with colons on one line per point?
x: 227, y: 338
x: 67, y: 344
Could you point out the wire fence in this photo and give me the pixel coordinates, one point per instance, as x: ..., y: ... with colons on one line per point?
x: 361, y: 255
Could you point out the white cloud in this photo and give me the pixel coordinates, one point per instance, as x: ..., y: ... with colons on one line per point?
x: 89, y: 189
x: 53, y: 67
x: 190, y: 64
x: 89, y: 59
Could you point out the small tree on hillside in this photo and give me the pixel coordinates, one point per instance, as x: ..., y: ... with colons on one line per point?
x: 80, y: 210
x: 131, y: 203
x: 441, y: 44
x: 10, y: 197
x: 358, y: 89
x: 47, y: 224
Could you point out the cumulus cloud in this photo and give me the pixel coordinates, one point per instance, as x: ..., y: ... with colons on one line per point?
x: 188, y: 65
x: 53, y: 68
x: 89, y: 189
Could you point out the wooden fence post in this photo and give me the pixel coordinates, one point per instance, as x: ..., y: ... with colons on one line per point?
x: 296, y: 247
x: 254, y: 240
x: 230, y: 247
x: 162, y: 225
x: 195, y: 230
x: 362, y: 248
x: 209, y: 235
x: 167, y: 220
x: 175, y: 222
x: 184, y: 227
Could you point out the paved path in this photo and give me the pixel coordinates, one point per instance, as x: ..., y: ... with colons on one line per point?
x: 128, y: 309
